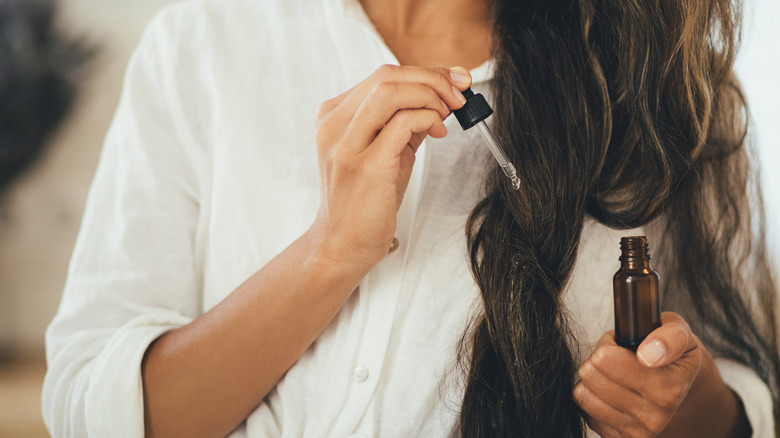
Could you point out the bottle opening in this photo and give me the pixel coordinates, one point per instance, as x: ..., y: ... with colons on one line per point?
x: 634, y: 248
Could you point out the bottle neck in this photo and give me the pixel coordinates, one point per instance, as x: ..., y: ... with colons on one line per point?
x: 635, y: 253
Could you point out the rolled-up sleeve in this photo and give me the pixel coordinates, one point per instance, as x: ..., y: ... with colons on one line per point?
x: 754, y: 394
x: 133, y: 274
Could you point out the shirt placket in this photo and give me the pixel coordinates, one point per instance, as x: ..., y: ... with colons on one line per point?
x: 380, y: 289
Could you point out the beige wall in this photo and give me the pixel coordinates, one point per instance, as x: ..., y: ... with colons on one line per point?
x: 40, y: 214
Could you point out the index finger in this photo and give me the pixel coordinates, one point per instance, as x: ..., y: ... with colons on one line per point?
x: 667, y: 343
x: 447, y: 83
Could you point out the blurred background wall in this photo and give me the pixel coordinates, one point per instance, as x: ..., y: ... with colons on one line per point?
x: 758, y: 67
x: 41, y: 211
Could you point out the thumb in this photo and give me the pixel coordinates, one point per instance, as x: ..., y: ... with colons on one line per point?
x: 667, y: 343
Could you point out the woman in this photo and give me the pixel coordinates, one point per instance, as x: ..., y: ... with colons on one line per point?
x: 218, y: 288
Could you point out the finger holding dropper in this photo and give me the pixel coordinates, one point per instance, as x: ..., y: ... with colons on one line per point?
x: 473, y: 113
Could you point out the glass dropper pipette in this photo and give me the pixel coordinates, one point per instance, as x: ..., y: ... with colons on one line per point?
x: 473, y: 113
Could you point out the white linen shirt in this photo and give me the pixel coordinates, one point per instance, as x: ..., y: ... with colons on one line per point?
x: 209, y: 170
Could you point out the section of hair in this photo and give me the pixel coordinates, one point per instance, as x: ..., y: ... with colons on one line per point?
x: 627, y: 111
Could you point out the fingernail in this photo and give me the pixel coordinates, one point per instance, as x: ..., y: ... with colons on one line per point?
x: 458, y: 95
x: 651, y: 353
x: 460, y: 75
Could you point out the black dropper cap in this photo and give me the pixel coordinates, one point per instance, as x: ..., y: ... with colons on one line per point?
x: 475, y: 110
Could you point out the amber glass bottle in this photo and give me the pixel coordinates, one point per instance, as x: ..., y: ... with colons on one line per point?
x: 635, y: 284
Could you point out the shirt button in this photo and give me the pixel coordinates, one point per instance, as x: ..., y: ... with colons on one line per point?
x: 393, y: 246
x: 360, y: 374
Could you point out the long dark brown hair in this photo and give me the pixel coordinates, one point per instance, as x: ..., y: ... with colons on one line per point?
x: 627, y: 111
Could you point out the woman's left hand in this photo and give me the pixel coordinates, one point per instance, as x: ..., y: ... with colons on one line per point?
x: 639, y: 395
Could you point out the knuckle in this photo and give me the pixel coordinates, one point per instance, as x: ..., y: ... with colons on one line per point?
x: 386, y: 70
x: 324, y: 108
x: 342, y: 160
x: 434, y: 97
x: 669, y: 399
x: 599, y: 357
x: 321, y: 139
x: 683, y: 332
x: 621, y: 431
x: 642, y: 433
x: 670, y: 316
x: 655, y: 423
x: 589, y: 403
x: 383, y: 90
x: 608, y: 338
x: 441, y: 71
x: 320, y: 123
x: 433, y: 116
x: 415, y: 120
x: 442, y: 79
x: 403, y: 117
x: 430, y: 117
x: 323, y: 136
x: 325, y: 130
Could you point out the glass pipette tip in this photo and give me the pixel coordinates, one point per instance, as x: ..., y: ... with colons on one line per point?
x: 473, y: 113
x: 498, y: 153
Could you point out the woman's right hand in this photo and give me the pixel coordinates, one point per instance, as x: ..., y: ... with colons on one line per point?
x: 366, y: 140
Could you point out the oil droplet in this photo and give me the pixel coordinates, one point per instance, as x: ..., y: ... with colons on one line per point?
x: 515, y: 182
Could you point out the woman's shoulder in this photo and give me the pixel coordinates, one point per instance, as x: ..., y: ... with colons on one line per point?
x: 205, y: 21
x: 219, y: 37
x: 202, y: 48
